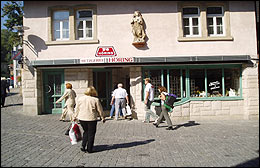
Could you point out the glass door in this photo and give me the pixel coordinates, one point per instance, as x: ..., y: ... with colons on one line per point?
x: 53, y: 88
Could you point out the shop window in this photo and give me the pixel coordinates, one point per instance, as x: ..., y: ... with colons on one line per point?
x: 175, y: 82
x: 208, y: 83
x: 84, y: 24
x: 232, y: 86
x: 197, y: 82
x: 61, y: 25
x: 156, y: 80
x: 215, y: 21
x: 214, y: 83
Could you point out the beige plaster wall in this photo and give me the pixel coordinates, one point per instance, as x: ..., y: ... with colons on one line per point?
x: 114, y: 29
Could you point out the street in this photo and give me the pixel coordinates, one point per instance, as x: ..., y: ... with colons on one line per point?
x: 29, y: 141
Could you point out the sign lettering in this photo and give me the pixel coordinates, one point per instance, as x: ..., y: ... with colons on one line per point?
x: 106, y: 60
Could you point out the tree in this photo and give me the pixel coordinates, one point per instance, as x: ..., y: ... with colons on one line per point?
x: 6, y: 45
x: 14, y: 12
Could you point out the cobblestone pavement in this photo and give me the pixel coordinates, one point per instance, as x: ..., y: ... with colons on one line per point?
x: 29, y: 141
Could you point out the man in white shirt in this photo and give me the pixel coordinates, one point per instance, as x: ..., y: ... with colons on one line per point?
x: 121, y: 97
x: 148, y: 100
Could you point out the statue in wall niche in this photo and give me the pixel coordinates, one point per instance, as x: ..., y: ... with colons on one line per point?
x: 138, y: 29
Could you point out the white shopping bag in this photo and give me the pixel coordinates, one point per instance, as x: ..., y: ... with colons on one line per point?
x: 74, y: 133
x: 128, y: 110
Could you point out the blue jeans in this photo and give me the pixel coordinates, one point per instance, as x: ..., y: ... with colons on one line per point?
x: 113, y: 109
x: 149, y: 112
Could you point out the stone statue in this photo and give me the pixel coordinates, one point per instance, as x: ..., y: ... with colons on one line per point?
x: 138, y: 29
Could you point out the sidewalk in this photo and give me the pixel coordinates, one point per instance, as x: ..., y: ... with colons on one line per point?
x: 29, y: 141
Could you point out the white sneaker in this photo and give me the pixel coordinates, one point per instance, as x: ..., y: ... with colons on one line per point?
x: 156, y: 120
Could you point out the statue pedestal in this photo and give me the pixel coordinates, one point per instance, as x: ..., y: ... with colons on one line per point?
x: 138, y: 44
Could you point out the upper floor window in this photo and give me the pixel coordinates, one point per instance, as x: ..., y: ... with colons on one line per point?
x: 215, y: 21
x: 61, y: 25
x: 191, y: 21
x: 84, y: 24
x: 75, y: 24
x: 204, y: 21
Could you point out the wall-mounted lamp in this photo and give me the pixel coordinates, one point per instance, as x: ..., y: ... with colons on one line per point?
x: 20, y: 30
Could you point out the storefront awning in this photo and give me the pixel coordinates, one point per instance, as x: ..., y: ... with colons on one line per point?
x: 144, y: 60
x: 191, y: 59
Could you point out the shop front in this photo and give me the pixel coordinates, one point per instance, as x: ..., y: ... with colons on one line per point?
x: 203, y: 88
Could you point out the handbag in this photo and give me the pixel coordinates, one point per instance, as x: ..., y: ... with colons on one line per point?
x: 74, y: 133
x: 128, y: 110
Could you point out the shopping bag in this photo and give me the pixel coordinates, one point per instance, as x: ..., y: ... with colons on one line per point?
x: 128, y: 110
x: 68, y: 130
x: 74, y: 133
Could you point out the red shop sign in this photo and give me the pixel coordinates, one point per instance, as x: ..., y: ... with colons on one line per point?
x: 106, y: 51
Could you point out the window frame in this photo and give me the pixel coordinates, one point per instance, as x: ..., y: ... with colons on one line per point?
x: 84, y: 25
x: 203, y: 21
x: 60, y: 21
x: 215, y: 16
x: 190, y: 17
x: 72, y: 25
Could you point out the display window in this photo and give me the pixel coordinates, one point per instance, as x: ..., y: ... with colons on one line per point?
x: 197, y: 83
x: 214, y: 83
x: 156, y: 79
x: 202, y: 82
x: 232, y: 86
x: 175, y: 82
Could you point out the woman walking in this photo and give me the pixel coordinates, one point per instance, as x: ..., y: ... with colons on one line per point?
x: 88, y: 108
x: 69, y: 97
x: 164, y: 113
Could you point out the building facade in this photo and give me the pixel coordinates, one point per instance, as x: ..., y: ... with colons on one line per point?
x: 204, y: 52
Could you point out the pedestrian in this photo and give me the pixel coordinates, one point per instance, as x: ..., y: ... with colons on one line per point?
x: 88, y: 107
x: 148, y: 100
x: 113, y: 105
x: 69, y: 97
x: 120, y: 97
x: 164, y: 113
x: 3, y: 91
x: 8, y: 85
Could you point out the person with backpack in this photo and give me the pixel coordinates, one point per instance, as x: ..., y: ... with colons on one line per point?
x: 165, y: 109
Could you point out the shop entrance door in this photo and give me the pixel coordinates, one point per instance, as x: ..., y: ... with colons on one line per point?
x: 53, y: 88
x: 102, y: 82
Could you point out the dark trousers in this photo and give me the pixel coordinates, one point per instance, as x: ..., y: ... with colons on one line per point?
x: 164, y: 114
x: 3, y: 100
x: 89, y: 133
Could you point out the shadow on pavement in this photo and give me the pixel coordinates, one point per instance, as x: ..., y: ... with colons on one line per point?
x: 250, y: 163
x: 100, y: 148
x: 189, y: 124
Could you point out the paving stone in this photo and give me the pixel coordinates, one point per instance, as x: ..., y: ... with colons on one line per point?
x: 28, y: 141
